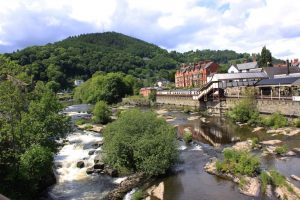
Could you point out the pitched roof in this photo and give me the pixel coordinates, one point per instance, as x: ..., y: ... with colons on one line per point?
x: 279, y: 81
x: 271, y: 71
x: 236, y: 76
x: 245, y: 66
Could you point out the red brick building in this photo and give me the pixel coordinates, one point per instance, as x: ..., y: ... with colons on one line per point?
x: 195, y: 75
x: 146, y: 91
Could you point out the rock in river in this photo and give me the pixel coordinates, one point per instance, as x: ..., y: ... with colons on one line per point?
x: 80, y: 164
x: 99, y: 165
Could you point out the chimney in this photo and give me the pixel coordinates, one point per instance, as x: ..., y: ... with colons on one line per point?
x: 254, y: 57
x: 288, y: 67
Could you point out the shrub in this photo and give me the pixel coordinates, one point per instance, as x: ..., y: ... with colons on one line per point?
x: 187, y: 136
x: 277, y: 179
x: 281, y: 149
x: 265, y: 180
x: 297, y: 122
x: 140, y: 142
x: 80, y: 121
x: 276, y: 120
x: 138, y: 195
x: 238, y: 162
x: 35, y: 165
x: 101, y: 113
x: 244, y: 111
x: 87, y: 127
x: 254, y: 142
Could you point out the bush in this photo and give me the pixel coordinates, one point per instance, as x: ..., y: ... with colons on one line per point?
x: 187, y: 136
x: 297, y: 122
x: 101, y: 113
x: 265, y: 180
x: 277, y: 179
x: 81, y: 121
x: 238, y: 162
x: 138, y: 195
x: 276, y: 120
x: 254, y: 141
x: 245, y: 111
x: 35, y: 165
x: 281, y: 149
x: 140, y: 142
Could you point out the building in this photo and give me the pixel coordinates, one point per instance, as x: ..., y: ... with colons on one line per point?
x: 78, y: 82
x: 195, y: 75
x: 145, y: 92
x: 162, y: 83
x: 290, y: 69
x: 244, y: 67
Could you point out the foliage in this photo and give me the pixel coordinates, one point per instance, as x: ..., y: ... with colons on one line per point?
x: 35, y: 165
x: 245, y: 111
x: 152, y: 96
x: 187, y: 136
x: 277, y: 179
x: 139, y: 141
x: 276, y: 120
x: 281, y: 149
x: 297, y: 122
x: 101, y: 113
x: 265, y: 58
x: 265, y: 180
x: 238, y: 163
x: 81, y: 121
x: 111, y: 87
x: 138, y: 195
x: 254, y: 142
x: 29, y: 124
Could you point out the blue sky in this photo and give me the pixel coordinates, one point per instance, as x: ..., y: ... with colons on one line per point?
x: 182, y: 25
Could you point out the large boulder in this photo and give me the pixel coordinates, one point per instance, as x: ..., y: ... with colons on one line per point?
x: 90, y: 170
x: 99, y: 165
x: 80, y: 164
x: 111, y: 172
x: 97, y: 144
x: 98, y: 158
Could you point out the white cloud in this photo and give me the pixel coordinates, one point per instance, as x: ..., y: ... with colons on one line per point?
x: 244, y: 26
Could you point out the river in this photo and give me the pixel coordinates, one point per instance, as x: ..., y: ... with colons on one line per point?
x: 190, y: 180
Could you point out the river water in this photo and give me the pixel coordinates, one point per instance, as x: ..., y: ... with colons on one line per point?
x: 189, y: 181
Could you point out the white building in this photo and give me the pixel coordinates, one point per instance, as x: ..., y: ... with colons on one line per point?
x: 244, y: 67
x: 78, y: 82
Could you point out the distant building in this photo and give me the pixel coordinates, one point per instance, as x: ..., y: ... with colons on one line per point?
x: 78, y: 82
x: 162, y: 83
x: 244, y: 67
x: 195, y: 75
x: 145, y: 92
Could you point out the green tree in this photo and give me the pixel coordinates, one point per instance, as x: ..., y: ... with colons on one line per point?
x: 101, y: 113
x: 36, y: 166
x: 139, y: 141
x: 265, y: 58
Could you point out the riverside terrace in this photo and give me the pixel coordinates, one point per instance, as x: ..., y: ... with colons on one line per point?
x: 280, y: 94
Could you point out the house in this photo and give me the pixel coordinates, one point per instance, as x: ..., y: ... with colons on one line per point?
x: 162, y: 83
x: 244, y: 67
x: 145, y: 92
x: 289, y: 70
x: 78, y: 82
x: 195, y: 75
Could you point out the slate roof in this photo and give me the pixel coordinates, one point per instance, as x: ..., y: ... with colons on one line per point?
x: 271, y: 71
x: 245, y: 66
x: 279, y: 81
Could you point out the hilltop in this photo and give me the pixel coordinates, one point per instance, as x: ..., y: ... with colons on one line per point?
x: 79, y: 57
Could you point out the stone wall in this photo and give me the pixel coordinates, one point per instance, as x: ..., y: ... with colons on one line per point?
x: 177, y: 100
x: 268, y: 106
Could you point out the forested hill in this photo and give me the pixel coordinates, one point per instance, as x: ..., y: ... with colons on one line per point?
x: 79, y: 57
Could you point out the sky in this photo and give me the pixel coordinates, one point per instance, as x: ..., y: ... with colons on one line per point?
x: 181, y: 25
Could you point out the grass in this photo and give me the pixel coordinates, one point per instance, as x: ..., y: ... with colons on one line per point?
x: 187, y: 137
x: 87, y: 127
x: 281, y: 149
x: 138, y: 195
x: 297, y: 122
x: 81, y: 121
x: 254, y: 141
x: 238, y: 163
x: 265, y: 180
